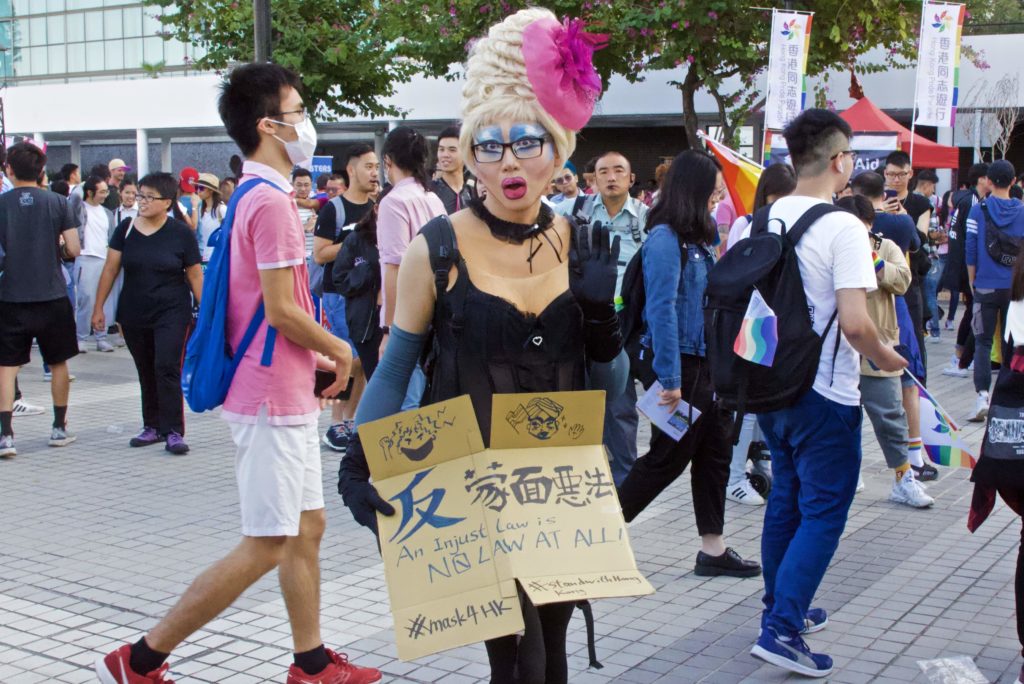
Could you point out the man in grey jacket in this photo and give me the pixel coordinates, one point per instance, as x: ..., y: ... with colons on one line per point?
x: 96, y: 226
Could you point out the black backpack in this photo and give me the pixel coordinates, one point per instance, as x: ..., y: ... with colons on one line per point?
x: 767, y: 262
x: 631, y: 317
x: 1001, y: 246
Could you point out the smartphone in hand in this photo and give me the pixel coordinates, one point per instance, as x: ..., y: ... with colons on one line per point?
x: 325, y: 379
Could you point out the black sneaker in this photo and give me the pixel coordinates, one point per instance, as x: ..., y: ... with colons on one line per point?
x: 926, y: 473
x: 336, y: 437
x: 729, y: 564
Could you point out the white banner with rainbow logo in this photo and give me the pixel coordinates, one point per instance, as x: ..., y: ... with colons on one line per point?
x: 787, y: 68
x: 938, y: 64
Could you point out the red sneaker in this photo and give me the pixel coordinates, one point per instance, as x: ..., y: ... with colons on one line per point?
x: 113, y: 668
x: 340, y: 671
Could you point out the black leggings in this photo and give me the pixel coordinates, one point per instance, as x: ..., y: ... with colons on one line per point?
x: 537, y: 657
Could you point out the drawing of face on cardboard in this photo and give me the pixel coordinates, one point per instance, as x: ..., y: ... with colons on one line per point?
x: 541, y: 418
x: 417, y: 440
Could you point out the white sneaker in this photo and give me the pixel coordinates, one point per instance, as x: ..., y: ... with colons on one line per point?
x: 908, y: 491
x: 60, y: 437
x: 954, y: 370
x: 83, y: 348
x: 860, y: 485
x: 980, y: 409
x: 23, y: 408
x: 104, y: 346
x: 743, y: 492
x: 7, y: 449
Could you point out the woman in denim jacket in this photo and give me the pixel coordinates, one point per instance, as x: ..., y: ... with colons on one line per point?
x: 674, y: 285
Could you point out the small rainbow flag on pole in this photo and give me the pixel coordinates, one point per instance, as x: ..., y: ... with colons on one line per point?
x: 740, y: 175
x: 941, y: 437
x: 758, y: 337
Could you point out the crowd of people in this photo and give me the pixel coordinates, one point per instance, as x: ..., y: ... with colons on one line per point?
x: 371, y: 273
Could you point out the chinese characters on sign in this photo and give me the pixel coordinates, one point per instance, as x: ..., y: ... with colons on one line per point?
x: 938, y: 64
x: 787, y: 68
x: 536, y: 510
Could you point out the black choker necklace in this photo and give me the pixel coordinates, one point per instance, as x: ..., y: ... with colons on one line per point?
x: 516, y: 233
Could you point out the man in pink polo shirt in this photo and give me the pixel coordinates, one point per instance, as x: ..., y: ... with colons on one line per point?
x: 271, y: 409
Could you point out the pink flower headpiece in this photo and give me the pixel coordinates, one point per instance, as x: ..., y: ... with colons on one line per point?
x: 560, y: 65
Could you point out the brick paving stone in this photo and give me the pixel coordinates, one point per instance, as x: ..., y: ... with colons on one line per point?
x: 101, y: 539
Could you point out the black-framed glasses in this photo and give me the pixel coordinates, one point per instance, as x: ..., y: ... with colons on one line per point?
x: 149, y: 198
x: 564, y: 179
x: 303, y: 111
x: 853, y: 155
x: 523, y: 148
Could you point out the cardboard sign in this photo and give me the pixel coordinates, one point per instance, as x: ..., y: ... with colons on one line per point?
x: 538, y: 507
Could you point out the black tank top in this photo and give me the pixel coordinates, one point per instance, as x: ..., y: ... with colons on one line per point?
x: 484, y: 345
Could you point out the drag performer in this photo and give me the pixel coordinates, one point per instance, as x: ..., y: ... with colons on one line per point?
x: 537, y: 289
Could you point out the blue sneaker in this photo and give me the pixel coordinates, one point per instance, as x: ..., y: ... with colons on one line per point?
x: 815, y: 620
x: 791, y: 654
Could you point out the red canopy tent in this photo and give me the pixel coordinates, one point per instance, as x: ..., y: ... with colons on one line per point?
x: 864, y: 116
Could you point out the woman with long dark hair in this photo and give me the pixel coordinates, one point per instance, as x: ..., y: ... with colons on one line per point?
x: 162, y: 274
x: 677, y: 257
x: 211, y: 212
x: 410, y: 205
x: 537, y: 324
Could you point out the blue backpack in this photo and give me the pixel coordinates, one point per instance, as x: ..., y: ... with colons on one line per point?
x: 210, y: 363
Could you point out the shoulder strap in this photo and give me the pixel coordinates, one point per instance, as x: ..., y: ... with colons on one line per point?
x: 808, y: 219
x: 443, y: 250
x: 583, y: 207
x: 759, y: 221
x: 339, y: 214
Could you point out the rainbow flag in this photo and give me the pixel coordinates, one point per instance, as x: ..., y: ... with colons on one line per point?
x: 758, y: 337
x: 740, y: 174
x: 941, y: 437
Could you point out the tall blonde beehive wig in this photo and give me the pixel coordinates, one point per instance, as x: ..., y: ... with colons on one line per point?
x: 497, y: 87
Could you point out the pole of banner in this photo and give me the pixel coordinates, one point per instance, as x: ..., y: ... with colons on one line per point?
x: 917, y: 81
x: 764, y: 120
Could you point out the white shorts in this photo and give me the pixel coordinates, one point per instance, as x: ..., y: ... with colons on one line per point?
x: 279, y: 475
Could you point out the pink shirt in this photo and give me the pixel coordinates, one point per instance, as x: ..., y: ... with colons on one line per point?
x: 267, y: 234
x: 406, y: 209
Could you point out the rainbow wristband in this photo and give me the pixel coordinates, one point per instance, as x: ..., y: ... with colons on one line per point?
x: 879, y: 262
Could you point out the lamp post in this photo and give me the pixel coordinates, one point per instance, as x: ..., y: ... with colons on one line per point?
x: 261, y: 29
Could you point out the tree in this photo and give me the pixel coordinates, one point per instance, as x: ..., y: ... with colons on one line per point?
x: 339, y: 47
x: 721, y: 45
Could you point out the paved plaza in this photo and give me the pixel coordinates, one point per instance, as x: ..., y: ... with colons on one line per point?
x: 97, y: 540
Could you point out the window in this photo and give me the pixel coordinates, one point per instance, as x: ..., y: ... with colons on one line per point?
x: 112, y: 24
x: 76, y: 57
x: 133, y: 53
x: 132, y: 22
x: 55, y: 29
x: 76, y: 27
x: 36, y: 34
x: 37, y: 60
x: 114, y: 54
x: 94, y: 26
x: 57, y: 59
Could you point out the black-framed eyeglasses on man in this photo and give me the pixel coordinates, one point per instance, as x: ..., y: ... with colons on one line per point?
x: 853, y: 155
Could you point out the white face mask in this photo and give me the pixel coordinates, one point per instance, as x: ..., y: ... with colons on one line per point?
x: 303, y: 147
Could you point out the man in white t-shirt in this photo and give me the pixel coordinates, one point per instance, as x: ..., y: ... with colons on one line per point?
x: 815, y: 443
x: 97, y: 223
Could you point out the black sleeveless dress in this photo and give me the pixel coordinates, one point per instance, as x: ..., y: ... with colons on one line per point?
x: 483, y: 345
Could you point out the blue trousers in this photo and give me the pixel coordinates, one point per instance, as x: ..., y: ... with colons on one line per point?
x: 816, y: 454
